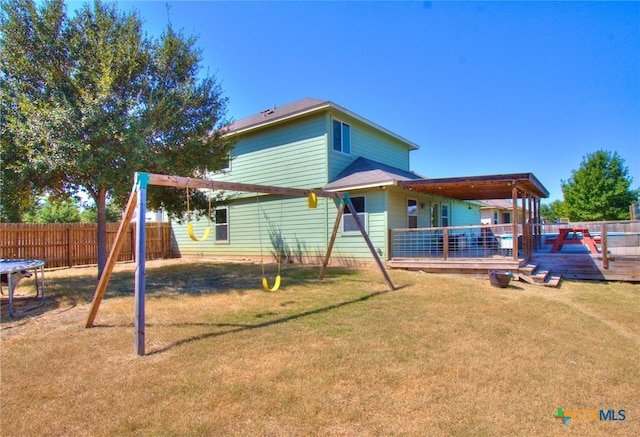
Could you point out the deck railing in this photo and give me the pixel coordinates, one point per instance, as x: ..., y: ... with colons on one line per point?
x: 489, y: 241
x: 481, y: 241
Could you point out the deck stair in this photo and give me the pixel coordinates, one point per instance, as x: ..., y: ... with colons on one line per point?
x: 533, y: 274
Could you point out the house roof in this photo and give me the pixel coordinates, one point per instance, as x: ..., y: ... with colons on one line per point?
x: 301, y: 108
x: 479, y: 187
x: 365, y: 173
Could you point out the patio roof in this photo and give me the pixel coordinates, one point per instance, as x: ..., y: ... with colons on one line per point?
x: 479, y: 187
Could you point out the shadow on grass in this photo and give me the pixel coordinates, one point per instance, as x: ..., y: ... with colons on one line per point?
x: 65, y: 289
x: 234, y: 328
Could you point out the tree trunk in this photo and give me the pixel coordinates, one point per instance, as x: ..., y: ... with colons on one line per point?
x: 101, y: 202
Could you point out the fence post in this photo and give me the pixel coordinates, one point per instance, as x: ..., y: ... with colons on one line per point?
x: 69, y: 255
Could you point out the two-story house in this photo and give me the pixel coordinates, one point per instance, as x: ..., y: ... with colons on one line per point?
x: 317, y: 144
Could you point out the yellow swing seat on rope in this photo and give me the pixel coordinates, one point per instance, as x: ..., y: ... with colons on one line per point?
x: 276, y: 285
x: 207, y: 231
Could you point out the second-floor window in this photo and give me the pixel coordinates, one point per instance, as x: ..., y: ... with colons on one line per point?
x: 341, y: 137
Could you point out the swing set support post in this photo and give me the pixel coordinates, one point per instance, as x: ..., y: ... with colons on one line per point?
x: 332, y: 240
x: 346, y: 201
x: 372, y: 248
x: 137, y: 201
x: 140, y: 277
x: 113, y: 256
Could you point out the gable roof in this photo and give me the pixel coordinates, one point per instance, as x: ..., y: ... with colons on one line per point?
x: 301, y: 108
x: 365, y: 173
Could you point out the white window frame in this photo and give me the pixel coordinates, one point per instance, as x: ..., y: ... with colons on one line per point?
x: 217, y: 225
x: 342, y: 136
x: 347, y: 216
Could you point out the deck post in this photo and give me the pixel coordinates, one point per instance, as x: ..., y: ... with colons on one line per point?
x: 603, y: 247
x: 445, y: 243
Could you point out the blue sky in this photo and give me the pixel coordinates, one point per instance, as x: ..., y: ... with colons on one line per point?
x: 482, y: 87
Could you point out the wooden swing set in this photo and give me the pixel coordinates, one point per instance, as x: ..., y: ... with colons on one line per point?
x: 137, y: 202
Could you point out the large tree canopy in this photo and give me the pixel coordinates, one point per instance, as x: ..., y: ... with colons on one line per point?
x: 600, y: 189
x: 89, y: 100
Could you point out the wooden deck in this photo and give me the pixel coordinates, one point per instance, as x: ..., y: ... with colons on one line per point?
x: 586, y: 266
x: 456, y: 265
x: 543, y: 268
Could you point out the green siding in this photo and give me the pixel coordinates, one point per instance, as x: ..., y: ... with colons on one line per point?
x: 302, y: 229
x: 398, y: 207
x: 367, y: 143
x: 352, y: 245
x: 291, y: 155
x: 464, y: 214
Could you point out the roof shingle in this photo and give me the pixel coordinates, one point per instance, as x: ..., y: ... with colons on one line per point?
x: 363, y: 173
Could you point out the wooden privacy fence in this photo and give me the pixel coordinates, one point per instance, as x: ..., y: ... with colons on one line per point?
x: 73, y: 244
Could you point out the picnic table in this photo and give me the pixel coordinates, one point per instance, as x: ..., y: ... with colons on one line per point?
x: 571, y: 236
x: 10, y: 266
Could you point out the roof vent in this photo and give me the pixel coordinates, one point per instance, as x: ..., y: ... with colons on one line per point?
x: 267, y: 112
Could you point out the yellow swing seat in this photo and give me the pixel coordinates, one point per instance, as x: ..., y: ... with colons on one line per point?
x: 207, y: 231
x: 276, y: 285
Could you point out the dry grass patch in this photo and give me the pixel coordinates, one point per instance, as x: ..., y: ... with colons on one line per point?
x: 443, y: 355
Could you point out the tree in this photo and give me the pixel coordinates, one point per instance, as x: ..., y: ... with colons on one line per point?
x: 552, y: 212
x: 90, y: 214
x: 600, y: 189
x: 91, y: 100
x: 55, y: 211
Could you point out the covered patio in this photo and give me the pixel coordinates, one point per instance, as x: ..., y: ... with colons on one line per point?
x: 524, y: 190
x: 527, y: 247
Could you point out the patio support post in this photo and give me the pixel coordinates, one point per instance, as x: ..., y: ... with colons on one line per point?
x: 536, y: 229
x: 526, y: 224
x: 514, y: 205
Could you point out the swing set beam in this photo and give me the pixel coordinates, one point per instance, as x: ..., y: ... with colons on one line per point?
x: 182, y: 182
x: 137, y: 203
